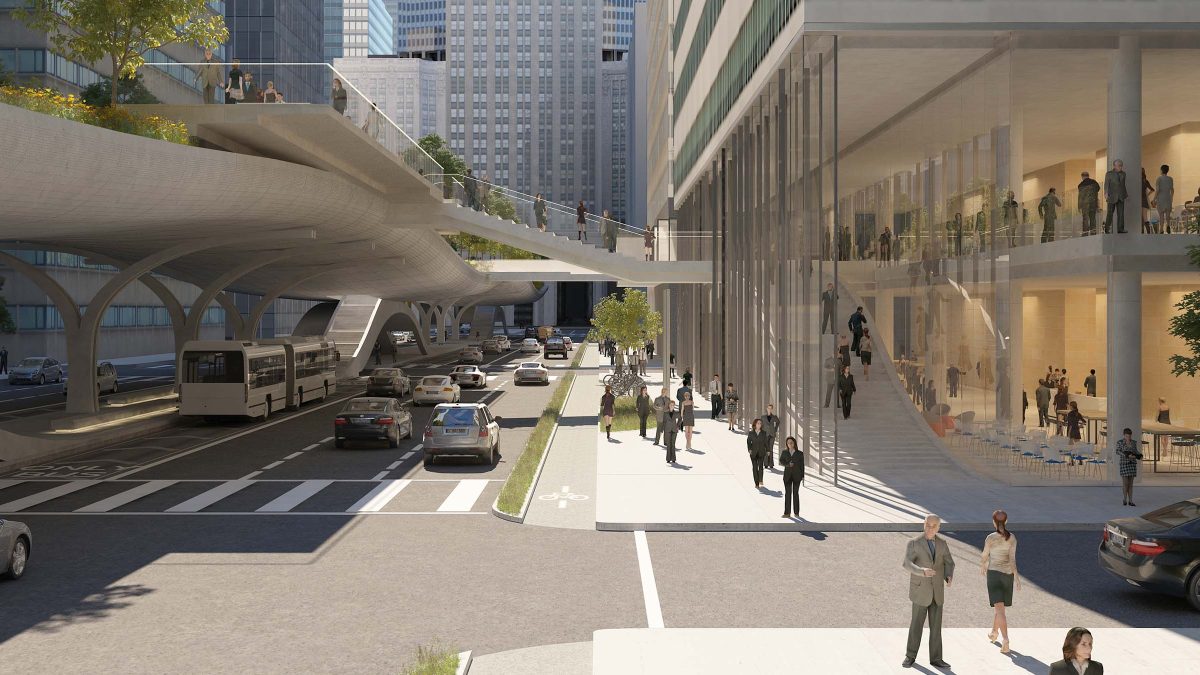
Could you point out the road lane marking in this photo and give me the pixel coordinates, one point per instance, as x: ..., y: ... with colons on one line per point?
x: 45, y: 496
x: 294, y: 455
x: 395, y: 464
x: 210, y: 497
x: 250, y: 475
x: 464, y: 495
x: 294, y: 497
x: 272, y: 465
x: 314, y: 446
x: 126, y: 497
x: 381, y: 475
x: 654, y: 618
x: 9, y: 483
x: 378, y: 498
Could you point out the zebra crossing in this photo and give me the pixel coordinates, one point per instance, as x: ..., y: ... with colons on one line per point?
x: 248, y: 497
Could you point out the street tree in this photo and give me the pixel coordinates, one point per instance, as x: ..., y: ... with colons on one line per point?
x: 123, y: 31
x: 129, y: 90
x: 628, y: 321
x: 1186, y: 326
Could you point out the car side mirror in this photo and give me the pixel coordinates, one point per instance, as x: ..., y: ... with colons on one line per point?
x: 498, y: 418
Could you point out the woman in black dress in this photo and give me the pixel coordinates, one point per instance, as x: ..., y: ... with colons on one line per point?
x: 1075, y: 420
x: 608, y: 409
x: 792, y: 461
x: 687, y: 416
x: 757, y: 446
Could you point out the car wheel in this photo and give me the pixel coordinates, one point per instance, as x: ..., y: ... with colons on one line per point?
x: 42, y: 378
x: 339, y: 443
x: 18, y: 560
x: 114, y: 389
x: 1193, y: 589
x: 428, y: 461
x: 408, y: 431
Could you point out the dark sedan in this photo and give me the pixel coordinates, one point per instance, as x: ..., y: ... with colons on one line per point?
x: 387, y: 382
x: 372, y: 419
x: 1158, y: 551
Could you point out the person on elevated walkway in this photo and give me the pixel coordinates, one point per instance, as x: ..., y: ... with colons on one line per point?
x: 581, y: 220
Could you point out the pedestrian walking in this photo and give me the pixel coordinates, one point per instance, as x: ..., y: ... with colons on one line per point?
x: 609, y: 230
x: 731, y: 404
x: 682, y: 391
x: 998, y: 564
x: 832, y: 365
x: 608, y: 409
x: 4, y: 360
x: 855, y: 323
x: 1024, y: 404
x: 1164, y: 417
x: 1075, y: 421
x: 714, y: 396
x: 828, y: 303
x: 670, y: 430
x: 846, y: 391
x: 648, y: 243
x: 1146, y: 190
x: 771, y: 426
x: 650, y: 350
x: 539, y: 211
x: 645, y: 408
x: 687, y: 377
x: 375, y: 354
x: 209, y: 76
x: 660, y: 411
x: 672, y: 361
x: 1041, y: 396
x: 1115, y: 194
x: 1164, y: 195
x: 865, y: 348
x: 885, y: 247
x: 1088, y: 202
x: 235, y: 87
x: 844, y: 348
x: 1089, y: 383
x: 581, y: 221
x: 930, y: 565
x: 1077, y: 655
x: 1128, y: 454
x: 338, y: 97
x: 756, y: 447
x: 471, y: 187
x: 953, y: 374
x: 792, y: 461
x: 1048, y: 210
x: 642, y: 360
x: 687, y: 417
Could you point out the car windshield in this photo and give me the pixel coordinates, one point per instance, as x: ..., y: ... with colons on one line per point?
x: 366, y: 405
x: 385, y: 372
x: 464, y: 369
x: 433, y: 381
x: 554, y: 341
x: 30, y: 363
x: 1175, y: 514
x: 454, y: 417
x: 530, y: 341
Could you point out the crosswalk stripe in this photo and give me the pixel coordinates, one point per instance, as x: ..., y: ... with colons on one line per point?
x: 378, y: 498
x: 126, y: 497
x: 45, y: 496
x: 211, y: 497
x: 294, y: 497
x: 463, y: 497
x: 9, y: 483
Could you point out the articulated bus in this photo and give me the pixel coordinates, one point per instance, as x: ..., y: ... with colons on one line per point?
x: 253, y: 379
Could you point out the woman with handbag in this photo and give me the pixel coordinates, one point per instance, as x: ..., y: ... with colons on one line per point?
x: 1128, y: 453
x: 792, y: 461
x: 757, y: 446
x: 235, y: 89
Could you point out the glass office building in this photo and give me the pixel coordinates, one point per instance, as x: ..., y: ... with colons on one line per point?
x: 280, y: 31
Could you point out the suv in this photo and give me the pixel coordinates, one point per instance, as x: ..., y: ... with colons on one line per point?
x: 555, y: 345
x: 106, y: 379
x: 462, y: 429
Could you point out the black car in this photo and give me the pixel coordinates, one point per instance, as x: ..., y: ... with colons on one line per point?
x: 371, y: 418
x: 531, y: 332
x: 555, y: 345
x: 1158, y: 551
x: 387, y: 382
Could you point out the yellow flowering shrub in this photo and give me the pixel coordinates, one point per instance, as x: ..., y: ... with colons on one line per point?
x: 66, y: 106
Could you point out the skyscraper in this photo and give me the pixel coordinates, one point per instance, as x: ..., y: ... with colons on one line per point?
x: 356, y: 28
x: 420, y: 28
x: 280, y: 32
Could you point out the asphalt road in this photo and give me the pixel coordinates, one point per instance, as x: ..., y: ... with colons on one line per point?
x: 22, y: 399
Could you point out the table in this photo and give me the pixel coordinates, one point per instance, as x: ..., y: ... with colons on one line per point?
x: 1158, y: 430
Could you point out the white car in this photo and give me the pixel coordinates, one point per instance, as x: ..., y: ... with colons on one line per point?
x: 491, y: 347
x: 531, y: 371
x: 531, y: 346
x: 471, y: 355
x: 504, y: 342
x: 468, y: 376
x: 106, y: 379
x: 436, y: 389
x: 567, y: 341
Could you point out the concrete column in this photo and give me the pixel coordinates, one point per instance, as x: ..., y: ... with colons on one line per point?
x: 884, y: 316
x: 668, y: 340
x: 1124, y: 356
x: 1016, y: 162
x: 1125, y: 123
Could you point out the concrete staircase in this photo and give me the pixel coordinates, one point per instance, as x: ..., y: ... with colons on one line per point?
x: 350, y: 328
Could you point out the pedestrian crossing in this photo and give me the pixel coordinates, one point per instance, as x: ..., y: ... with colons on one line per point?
x: 248, y: 497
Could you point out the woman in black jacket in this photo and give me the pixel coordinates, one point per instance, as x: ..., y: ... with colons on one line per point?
x: 758, y: 445
x: 846, y: 390
x: 792, y: 461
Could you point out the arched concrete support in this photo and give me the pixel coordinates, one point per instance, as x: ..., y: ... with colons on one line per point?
x: 251, y: 321
x: 233, y: 315
x: 217, y: 287
x: 316, y: 320
x: 58, y: 295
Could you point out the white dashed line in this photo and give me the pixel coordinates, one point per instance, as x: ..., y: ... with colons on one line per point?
x: 654, y: 618
x: 250, y: 475
x: 395, y: 464
x: 314, y: 446
x: 324, y: 440
x: 381, y: 475
x: 272, y: 465
x: 294, y: 455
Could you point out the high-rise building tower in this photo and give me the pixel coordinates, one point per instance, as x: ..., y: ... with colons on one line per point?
x: 420, y: 28
x: 280, y: 32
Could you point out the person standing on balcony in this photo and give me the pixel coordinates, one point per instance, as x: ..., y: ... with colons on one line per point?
x: 539, y: 211
x: 338, y: 97
x: 235, y: 89
x: 271, y: 95
x: 471, y: 186
x: 885, y: 247
x: 1048, y: 210
x: 1010, y: 215
x: 648, y: 242
x: 253, y: 93
x: 1115, y: 194
x: 209, y: 76
x: 1146, y: 190
x: 828, y: 300
x: 1089, y: 202
x: 1164, y: 187
x: 581, y: 220
x: 609, y: 229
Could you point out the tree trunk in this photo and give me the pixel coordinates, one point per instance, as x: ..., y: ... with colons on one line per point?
x: 116, y: 77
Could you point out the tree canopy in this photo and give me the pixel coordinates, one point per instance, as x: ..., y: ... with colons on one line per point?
x: 129, y: 90
x: 436, y: 146
x: 628, y: 321
x: 1186, y: 326
x: 123, y: 31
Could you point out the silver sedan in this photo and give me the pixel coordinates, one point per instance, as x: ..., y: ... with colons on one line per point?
x: 16, y: 542
x: 531, y: 371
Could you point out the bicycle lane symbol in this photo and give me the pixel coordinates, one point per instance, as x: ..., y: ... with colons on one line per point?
x: 563, y: 497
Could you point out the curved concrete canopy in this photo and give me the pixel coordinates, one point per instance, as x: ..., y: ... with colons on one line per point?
x: 129, y: 197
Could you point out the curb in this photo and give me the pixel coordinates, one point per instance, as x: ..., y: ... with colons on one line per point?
x: 464, y: 663
x: 839, y: 527
x: 520, y: 517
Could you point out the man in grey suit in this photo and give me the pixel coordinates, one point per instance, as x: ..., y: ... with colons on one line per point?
x: 1115, y: 194
x: 660, y: 413
x: 928, y: 561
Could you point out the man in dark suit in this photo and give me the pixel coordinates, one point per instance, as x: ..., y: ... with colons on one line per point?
x: 660, y: 411
x: 1115, y: 194
x: 928, y: 561
x: 670, y: 428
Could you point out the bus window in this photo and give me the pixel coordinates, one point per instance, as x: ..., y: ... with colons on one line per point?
x: 213, y: 367
x: 267, y: 370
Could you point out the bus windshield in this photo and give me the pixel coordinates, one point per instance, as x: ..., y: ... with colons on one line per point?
x: 214, y: 367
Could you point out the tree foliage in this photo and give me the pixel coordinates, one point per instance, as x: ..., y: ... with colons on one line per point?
x: 129, y: 90
x: 1186, y: 326
x: 628, y: 321
x: 436, y: 146
x: 482, y: 248
x: 123, y: 31
x: 7, y: 325
x: 495, y: 203
x: 6, y: 78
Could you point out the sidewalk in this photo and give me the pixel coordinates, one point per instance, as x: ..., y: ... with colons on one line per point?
x: 889, y: 480
x: 854, y: 651
x: 565, y: 492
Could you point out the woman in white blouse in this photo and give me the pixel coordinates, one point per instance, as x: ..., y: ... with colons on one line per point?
x: 999, y: 565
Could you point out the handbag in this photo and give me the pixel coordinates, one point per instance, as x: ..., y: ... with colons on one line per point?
x: 236, y: 93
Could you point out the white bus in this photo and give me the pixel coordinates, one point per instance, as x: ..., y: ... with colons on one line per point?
x: 253, y: 379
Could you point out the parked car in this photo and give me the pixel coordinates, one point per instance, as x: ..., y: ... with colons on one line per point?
x: 462, y: 429
x: 16, y: 543
x: 567, y: 341
x: 491, y: 347
x: 530, y: 346
x: 106, y: 379
x: 531, y: 371
x: 471, y: 355
x: 436, y: 389
x: 35, y: 370
x: 400, y: 337
x: 388, y: 382
x: 1158, y: 551
x: 555, y: 346
x: 468, y: 376
x: 372, y: 418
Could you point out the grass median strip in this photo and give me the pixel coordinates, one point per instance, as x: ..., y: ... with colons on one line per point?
x: 437, y: 659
